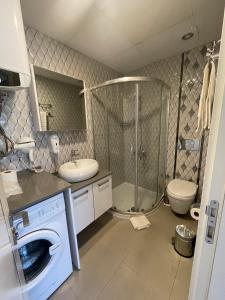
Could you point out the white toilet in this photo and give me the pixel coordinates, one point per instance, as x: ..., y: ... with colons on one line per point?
x: 181, y: 194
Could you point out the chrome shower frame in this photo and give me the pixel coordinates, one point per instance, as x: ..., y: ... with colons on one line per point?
x: 136, y: 80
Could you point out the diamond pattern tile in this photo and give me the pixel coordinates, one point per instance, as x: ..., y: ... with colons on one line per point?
x: 194, y: 63
x: 48, y: 53
x: 114, y: 122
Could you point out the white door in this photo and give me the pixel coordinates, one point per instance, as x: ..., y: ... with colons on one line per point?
x: 39, y: 252
x: 10, y: 288
x: 207, y: 255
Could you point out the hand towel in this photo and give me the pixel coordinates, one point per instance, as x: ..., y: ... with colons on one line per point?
x: 202, y: 103
x: 210, y: 96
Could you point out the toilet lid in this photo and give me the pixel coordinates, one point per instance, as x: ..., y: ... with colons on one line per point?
x: 182, y: 188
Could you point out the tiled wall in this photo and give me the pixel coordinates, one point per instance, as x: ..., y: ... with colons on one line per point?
x: 48, y: 53
x: 169, y: 70
x: 188, y: 163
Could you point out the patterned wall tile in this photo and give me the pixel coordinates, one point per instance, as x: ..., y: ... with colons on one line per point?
x: 188, y: 162
x: 48, y: 53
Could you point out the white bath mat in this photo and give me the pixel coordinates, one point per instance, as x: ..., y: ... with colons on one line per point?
x: 140, y: 222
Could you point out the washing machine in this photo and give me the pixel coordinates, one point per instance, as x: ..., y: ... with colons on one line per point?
x: 44, y: 248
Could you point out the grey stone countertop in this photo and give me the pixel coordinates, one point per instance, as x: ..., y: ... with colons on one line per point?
x: 36, y: 187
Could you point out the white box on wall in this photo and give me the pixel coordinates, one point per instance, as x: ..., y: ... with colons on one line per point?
x: 13, y: 51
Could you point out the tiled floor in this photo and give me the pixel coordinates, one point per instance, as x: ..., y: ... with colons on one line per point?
x: 119, y: 263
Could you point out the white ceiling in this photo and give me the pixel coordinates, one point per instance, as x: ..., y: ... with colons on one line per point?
x: 126, y: 34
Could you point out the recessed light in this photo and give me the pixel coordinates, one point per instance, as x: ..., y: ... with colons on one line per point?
x: 187, y: 36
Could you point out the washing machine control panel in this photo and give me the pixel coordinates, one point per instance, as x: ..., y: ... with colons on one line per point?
x: 40, y: 213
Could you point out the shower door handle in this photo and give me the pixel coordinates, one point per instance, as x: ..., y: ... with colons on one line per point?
x: 141, y: 153
x: 132, y: 151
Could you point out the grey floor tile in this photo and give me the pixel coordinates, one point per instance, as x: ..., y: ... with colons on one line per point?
x: 126, y: 285
x: 181, y: 285
x: 97, y: 268
x: 64, y: 292
x: 94, y: 233
x: 118, y: 262
x: 155, y: 263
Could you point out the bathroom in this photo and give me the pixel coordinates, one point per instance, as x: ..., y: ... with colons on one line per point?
x: 94, y: 191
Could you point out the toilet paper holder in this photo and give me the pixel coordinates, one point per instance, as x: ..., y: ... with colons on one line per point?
x: 211, y: 211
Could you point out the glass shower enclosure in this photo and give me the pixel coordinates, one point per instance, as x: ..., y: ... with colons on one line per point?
x: 129, y: 117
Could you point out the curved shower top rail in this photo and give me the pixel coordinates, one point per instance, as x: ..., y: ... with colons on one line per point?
x: 123, y: 80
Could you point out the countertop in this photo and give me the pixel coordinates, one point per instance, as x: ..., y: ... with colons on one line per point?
x: 79, y: 185
x: 36, y: 187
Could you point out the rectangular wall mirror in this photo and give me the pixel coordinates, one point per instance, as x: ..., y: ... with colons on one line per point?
x: 56, y: 101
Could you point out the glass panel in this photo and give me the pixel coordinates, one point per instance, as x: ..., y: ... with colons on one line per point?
x: 124, y: 192
x: 148, y: 144
x: 163, y: 142
x: 34, y: 257
x: 114, y: 136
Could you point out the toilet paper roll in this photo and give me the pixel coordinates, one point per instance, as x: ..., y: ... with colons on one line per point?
x: 10, y: 182
x: 195, y: 211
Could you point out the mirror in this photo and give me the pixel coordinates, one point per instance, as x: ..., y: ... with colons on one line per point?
x: 57, y: 102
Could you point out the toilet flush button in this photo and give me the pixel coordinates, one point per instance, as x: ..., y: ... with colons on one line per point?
x: 192, y: 144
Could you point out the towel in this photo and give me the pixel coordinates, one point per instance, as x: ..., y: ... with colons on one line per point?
x: 202, y: 103
x: 206, y: 99
x: 140, y: 222
x: 210, y: 95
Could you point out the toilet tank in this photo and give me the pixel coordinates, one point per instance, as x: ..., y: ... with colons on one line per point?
x: 14, y: 65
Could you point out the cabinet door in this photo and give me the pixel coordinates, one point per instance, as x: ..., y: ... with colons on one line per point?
x: 102, y: 191
x: 83, y: 207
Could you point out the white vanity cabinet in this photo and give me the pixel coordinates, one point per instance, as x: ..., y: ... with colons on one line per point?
x: 102, y: 192
x: 83, y: 207
x: 91, y: 202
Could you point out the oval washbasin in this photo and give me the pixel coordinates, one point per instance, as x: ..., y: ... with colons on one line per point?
x: 79, y: 170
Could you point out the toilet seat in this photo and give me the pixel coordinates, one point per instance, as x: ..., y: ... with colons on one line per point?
x: 181, y: 189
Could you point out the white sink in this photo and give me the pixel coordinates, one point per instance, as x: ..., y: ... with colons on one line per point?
x: 79, y: 170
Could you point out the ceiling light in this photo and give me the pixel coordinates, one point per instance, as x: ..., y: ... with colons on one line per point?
x: 187, y: 36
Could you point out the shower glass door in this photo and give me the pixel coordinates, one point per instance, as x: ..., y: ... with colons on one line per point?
x: 148, y: 141
x: 122, y: 145
x: 129, y: 123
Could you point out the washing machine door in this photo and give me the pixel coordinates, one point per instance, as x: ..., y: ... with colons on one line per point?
x: 38, y: 252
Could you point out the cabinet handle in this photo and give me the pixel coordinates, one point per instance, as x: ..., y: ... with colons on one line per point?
x: 102, y: 183
x: 80, y: 195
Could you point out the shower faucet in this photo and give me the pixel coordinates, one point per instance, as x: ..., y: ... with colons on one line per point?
x: 141, y: 151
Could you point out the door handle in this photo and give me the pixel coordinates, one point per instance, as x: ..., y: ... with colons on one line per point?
x: 80, y: 195
x: 53, y: 249
x: 102, y: 183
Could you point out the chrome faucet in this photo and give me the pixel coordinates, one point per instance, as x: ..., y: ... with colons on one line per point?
x: 74, y: 154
